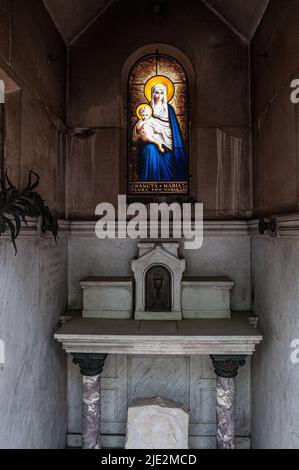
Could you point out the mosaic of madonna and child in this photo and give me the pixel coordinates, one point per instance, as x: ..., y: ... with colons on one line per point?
x: 158, y: 127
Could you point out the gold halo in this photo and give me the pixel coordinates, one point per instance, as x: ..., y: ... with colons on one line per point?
x: 143, y: 105
x: 161, y: 80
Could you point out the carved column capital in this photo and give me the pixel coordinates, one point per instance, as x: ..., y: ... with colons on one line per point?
x: 90, y: 363
x: 227, y: 366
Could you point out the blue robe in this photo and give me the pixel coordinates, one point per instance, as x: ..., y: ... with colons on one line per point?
x: 168, y: 166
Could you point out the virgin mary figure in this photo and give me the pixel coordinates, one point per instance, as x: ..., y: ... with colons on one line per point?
x: 162, y: 157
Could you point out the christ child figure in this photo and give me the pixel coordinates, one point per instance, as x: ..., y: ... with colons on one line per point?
x: 147, y: 128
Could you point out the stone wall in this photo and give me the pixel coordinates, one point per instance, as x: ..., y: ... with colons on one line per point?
x: 274, y: 64
x: 219, y: 256
x: 33, y: 404
x: 275, y: 273
x: 220, y: 135
x: 36, y: 105
x: 275, y: 379
x: 33, y: 284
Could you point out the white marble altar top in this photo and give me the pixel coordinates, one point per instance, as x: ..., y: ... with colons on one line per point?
x: 183, y: 337
x: 95, y: 281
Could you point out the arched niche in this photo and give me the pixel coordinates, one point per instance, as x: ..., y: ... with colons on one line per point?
x: 154, y: 48
x: 158, y: 289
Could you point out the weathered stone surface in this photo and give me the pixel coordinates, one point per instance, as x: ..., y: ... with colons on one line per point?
x: 229, y: 256
x: 274, y: 59
x: 274, y: 53
x: 33, y: 292
x: 33, y: 38
x: 275, y: 378
x: 157, y: 423
x: 180, y: 378
x: 225, y: 393
x: 71, y: 17
x: 89, y: 162
x: 274, y: 155
x: 107, y: 297
x: 42, y: 148
x: 244, y: 15
x: 91, y: 412
x: 221, y: 173
x: 4, y: 29
x: 206, y: 297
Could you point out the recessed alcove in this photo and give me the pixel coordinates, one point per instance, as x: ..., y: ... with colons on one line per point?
x: 157, y: 286
x: 157, y: 309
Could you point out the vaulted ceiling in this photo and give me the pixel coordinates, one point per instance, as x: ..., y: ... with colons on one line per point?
x: 72, y: 17
x: 242, y: 15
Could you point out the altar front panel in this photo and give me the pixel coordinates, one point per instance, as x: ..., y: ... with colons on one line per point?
x: 186, y: 379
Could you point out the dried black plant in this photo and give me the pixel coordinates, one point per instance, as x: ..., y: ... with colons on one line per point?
x: 16, y: 205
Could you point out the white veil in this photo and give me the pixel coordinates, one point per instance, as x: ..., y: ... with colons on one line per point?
x: 161, y: 118
x: 161, y: 111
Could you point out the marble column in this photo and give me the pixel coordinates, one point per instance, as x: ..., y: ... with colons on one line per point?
x: 91, y: 367
x: 226, y: 369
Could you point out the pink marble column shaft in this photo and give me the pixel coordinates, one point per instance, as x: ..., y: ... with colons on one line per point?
x: 91, y: 412
x: 225, y: 413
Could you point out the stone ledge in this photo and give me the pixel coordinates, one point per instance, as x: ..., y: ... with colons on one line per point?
x: 117, y: 441
x: 32, y: 230
x: 184, y: 337
x: 211, y: 228
x: 287, y: 227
